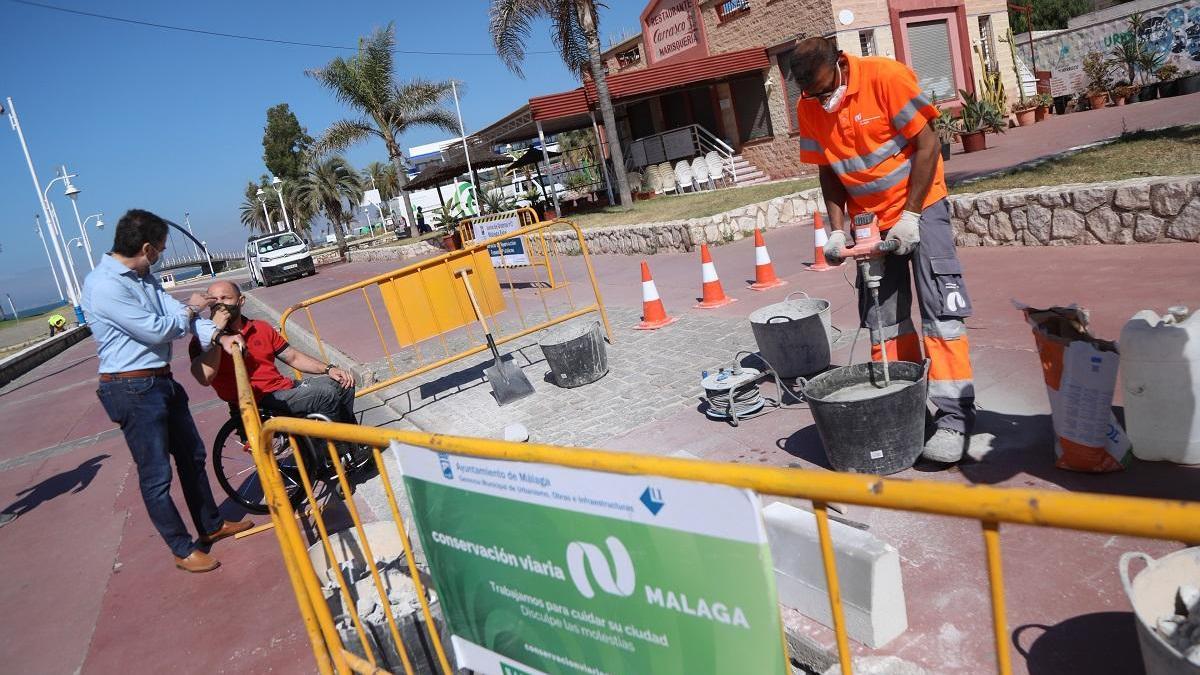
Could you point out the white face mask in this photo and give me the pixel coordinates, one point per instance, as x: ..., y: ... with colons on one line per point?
x: 834, y: 102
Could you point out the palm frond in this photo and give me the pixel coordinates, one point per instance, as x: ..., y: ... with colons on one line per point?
x: 570, y: 37
x: 343, y: 134
x: 509, y: 23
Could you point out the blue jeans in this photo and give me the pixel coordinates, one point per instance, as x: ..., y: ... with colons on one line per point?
x: 154, y: 416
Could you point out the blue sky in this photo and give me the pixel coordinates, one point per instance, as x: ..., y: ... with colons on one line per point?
x: 172, y: 122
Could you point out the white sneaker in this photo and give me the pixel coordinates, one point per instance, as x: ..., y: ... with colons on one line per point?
x: 946, y: 446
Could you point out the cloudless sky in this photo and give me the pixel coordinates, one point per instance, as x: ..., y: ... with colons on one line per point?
x: 173, y: 122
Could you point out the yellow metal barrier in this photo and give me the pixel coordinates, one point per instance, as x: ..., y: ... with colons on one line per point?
x: 1152, y: 518
x: 536, y: 247
x: 426, y: 300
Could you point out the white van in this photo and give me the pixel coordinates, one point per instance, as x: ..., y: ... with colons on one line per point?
x: 277, y: 257
x: 520, y: 186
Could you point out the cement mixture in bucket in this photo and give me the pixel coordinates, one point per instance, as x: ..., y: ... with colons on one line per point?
x: 865, y: 390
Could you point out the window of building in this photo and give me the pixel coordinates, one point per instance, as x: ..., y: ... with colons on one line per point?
x: 728, y: 9
x: 629, y: 57
x: 987, y: 43
x: 750, y: 108
x: 790, y: 86
x: 932, y: 59
x: 866, y: 42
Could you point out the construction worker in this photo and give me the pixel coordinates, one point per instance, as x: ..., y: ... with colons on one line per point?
x: 864, y: 121
x: 58, y: 324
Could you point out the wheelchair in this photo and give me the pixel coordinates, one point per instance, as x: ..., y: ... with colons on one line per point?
x: 238, y: 476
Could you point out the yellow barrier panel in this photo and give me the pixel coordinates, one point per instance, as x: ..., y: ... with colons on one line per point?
x: 426, y: 301
x: 1133, y: 516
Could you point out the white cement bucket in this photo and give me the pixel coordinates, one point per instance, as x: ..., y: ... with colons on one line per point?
x: 1152, y: 595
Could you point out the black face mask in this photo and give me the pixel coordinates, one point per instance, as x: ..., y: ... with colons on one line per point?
x: 234, y: 313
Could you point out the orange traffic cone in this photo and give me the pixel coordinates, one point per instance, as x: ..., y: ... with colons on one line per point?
x: 653, y: 314
x: 819, y: 240
x: 710, y: 286
x: 764, y: 271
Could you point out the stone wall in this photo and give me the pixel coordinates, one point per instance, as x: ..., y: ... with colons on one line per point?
x: 766, y: 23
x: 1142, y: 210
x: 420, y: 249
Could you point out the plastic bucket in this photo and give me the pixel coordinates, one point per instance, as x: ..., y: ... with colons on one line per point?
x: 575, y: 353
x: 868, y: 430
x: 794, y: 336
x: 1152, y: 594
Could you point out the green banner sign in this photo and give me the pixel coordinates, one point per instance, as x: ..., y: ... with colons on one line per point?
x: 545, y: 569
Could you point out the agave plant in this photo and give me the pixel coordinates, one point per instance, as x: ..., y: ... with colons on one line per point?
x: 979, y: 115
x: 495, y: 201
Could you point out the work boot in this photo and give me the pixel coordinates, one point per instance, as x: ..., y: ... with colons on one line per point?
x: 946, y: 446
x: 198, y: 561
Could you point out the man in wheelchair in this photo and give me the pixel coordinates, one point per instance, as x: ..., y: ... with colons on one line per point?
x: 330, y: 394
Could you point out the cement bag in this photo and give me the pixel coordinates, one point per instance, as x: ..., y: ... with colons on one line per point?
x: 1081, y: 374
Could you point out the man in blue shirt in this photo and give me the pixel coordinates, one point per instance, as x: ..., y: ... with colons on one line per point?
x: 134, y: 322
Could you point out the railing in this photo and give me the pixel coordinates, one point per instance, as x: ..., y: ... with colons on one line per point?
x: 667, y: 146
x: 1133, y: 516
x: 426, y: 301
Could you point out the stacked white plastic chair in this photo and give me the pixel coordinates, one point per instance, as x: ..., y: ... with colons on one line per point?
x: 700, y: 174
x: 652, y: 180
x: 667, y: 176
x: 716, y: 167
x: 683, y: 176
x: 635, y: 181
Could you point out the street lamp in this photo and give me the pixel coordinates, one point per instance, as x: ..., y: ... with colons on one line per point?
x: 73, y: 193
x: 37, y: 225
x: 56, y: 226
x: 278, y: 184
x: 262, y: 199
x: 55, y: 236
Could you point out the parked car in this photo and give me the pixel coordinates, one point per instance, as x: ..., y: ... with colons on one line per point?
x: 278, y: 256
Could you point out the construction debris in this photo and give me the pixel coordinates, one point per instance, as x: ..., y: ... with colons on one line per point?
x: 1182, y: 629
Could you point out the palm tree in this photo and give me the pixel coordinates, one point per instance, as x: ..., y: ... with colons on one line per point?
x: 366, y: 82
x: 323, y: 187
x: 383, y: 177
x: 252, y: 211
x: 575, y: 30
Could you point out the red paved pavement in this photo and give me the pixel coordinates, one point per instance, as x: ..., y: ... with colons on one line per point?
x: 1063, y: 132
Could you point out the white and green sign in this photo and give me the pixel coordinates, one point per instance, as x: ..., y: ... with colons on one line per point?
x: 545, y: 569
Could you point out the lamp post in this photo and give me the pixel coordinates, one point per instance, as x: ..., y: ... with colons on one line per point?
x: 66, y: 251
x: 37, y: 186
x: 187, y: 221
x: 37, y: 225
x: 277, y: 183
x: 262, y: 199
x: 73, y: 193
x: 99, y: 221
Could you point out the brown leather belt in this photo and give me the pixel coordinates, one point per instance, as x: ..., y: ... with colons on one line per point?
x: 165, y: 371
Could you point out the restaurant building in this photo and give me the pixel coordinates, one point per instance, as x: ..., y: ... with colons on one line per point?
x: 722, y: 66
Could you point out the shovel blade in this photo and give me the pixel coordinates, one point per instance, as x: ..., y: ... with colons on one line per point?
x: 508, y: 382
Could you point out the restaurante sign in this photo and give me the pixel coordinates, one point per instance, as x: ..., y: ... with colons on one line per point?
x: 671, y: 29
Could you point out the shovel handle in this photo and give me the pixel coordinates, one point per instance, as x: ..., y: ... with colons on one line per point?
x: 471, y: 294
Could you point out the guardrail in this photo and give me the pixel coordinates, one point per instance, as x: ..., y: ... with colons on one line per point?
x: 1134, y: 516
x: 426, y: 301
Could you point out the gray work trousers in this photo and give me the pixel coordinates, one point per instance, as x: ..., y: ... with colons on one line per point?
x: 321, y: 395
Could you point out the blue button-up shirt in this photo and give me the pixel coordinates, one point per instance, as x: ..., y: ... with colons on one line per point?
x: 134, y: 320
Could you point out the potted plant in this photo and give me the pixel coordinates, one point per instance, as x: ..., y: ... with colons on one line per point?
x: 447, y: 220
x: 976, y: 119
x: 1123, y: 92
x: 1149, y: 65
x: 944, y: 127
x: 1188, y: 82
x: 1043, y: 101
x: 1168, y: 82
x: 1025, y: 112
x: 1098, y: 72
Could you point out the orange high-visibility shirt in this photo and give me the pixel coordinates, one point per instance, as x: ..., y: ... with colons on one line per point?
x: 868, y: 142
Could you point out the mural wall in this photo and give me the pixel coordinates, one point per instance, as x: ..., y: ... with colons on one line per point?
x: 1173, y: 30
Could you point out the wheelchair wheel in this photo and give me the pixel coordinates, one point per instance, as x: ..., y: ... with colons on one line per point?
x: 238, y: 475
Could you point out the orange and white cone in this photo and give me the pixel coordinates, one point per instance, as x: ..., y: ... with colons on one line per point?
x: 819, y: 240
x: 764, y: 270
x: 653, y: 313
x: 713, y: 295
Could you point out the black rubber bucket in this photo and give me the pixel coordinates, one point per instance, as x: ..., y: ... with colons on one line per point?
x: 866, y: 430
x: 575, y: 353
x: 794, y: 335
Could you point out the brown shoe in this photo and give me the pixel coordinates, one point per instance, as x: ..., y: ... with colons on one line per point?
x: 198, y: 561
x: 227, y: 529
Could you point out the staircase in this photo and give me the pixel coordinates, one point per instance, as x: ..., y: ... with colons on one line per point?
x: 747, y: 173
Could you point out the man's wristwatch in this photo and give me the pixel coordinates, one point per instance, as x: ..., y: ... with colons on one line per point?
x: 329, y: 367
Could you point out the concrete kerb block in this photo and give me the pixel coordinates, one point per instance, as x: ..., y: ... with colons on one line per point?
x: 868, y: 568
x: 305, y: 341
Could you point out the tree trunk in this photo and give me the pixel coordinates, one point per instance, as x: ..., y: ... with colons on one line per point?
x: 402, y: 178
x: 335, y: 217
x: 587, y: 18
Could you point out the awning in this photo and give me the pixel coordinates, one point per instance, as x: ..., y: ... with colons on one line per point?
x: 454, y: 164
x: 570, y: 109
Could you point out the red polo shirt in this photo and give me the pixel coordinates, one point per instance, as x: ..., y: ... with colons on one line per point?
x: 263, y: 345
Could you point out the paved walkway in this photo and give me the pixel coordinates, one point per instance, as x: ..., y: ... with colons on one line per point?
x: 1059, y: 133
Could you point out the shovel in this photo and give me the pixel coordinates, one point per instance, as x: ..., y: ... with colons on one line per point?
x: 508, y: 381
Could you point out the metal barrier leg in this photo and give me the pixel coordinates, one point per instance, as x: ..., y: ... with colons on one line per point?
x: 821, y: 511
x: 991, y: 541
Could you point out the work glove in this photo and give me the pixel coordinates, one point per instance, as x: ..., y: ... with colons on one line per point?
x: 834, y: 246
x: 906, y: 233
